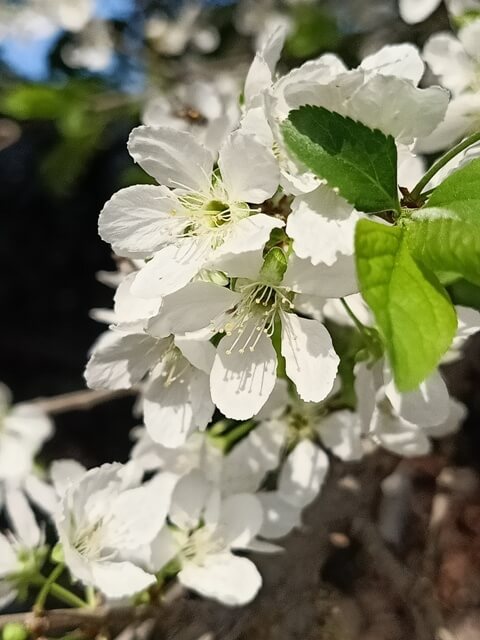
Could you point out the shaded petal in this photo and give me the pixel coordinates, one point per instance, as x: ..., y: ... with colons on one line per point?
x: 399, y: 436
x: 193, y: 307
x: 397, y: 108
x: 322, y: 225
x: 241, y: 517
x: 168, y: 412
x: 279, y: 516
x: 22, y: 518
x: 240, y: 383
x: 173, y: 158
x: 248, y: 235
x: 447, y: 58
x: 170, y: 269
x: 121, y: 360
x: 249, y: 169
x: 426, y: 407
x: 303, y: 474
x: 341, y: 432
x: 335, y: 281
x: 189, y: 499
x: 311, y: 361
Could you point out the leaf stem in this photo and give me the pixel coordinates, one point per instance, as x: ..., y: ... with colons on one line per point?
x: 360, y: 326
x: 441, y: 162
x: 50, y: 586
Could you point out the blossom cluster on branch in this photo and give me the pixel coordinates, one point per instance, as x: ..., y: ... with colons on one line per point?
x: 275, y: 227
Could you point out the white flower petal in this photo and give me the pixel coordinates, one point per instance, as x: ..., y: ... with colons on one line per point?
x: 223, y: 577
x: 189, y: 499
x: 398, y: 108
x: 447, y: 58
x: 120, y: 579
x: 241, y: 383
x: 240, y: 521
x: 249, y: 169
x: 400, y: 60
x: 137, y: 220
x: 170, y: 269
x: 457, y: 414
x: 303, y: 474
x: 398, y: 436
x: 425, y: 407
x: 460, y: 119
x: 322, y: 225
x: 42, y: 494
x: 341, y: 432
x: 249, y: 234
x: 311, y: 361
x: 168, y: 412
x: 192, y: 308
x: 173, y: 158
x: 122, y: 360
x: 22, y: 518
x: 8, y: 557
x: 414, y: 11
x: 200, y: 353
x: 63, y: 473
x: 335, y: 281
x: 280, y: 517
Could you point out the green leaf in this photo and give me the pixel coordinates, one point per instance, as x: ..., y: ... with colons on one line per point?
x: 445, y: 235
x: 445, y: 241
x: 412, y: 310
x: 360, y: 162
x: 460, y: 191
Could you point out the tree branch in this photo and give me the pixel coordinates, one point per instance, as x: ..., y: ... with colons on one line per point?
x: 80, y: 400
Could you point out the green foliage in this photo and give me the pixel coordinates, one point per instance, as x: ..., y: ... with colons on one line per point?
x: 445, y: 235
x: 314, y: 31
x: 81, y: 112
x: 360, y: 162
x: 412, y: 310
x: 348, y: 343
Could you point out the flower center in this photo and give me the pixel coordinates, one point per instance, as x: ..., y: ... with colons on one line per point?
x: 87, y: 540
x: 200, y: 543
x: 255, y: 314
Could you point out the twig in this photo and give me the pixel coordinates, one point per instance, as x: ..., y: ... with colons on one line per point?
x: 80, y: 400
x: 62, y: 620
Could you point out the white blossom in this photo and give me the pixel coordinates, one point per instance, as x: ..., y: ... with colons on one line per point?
x: 198, y: 215
x: 203, y: 531
x: 455, y: 60
x: 106, y: 524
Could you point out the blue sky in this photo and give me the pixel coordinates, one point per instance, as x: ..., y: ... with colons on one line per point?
x: 29, y: 59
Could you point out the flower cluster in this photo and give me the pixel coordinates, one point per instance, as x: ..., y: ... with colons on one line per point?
x: 237, y: 269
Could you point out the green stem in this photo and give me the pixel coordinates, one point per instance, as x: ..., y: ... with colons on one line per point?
x: 45, y: 590
x: 360, y: 326
x: 441, y: 162
x: 62, y: 594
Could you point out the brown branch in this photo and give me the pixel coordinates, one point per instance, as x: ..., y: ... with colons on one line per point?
x: 80, y: 400
x: 55, y: 621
